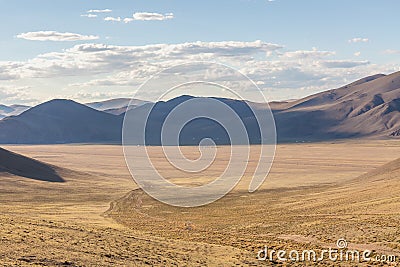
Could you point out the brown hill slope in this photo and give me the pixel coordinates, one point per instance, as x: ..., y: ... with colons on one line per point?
x: 389, y: 171
x: 19, y: 165
x: 367, y: 107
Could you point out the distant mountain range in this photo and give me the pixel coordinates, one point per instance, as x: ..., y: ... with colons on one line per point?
x: 369, y: 107
x: 12, y: 110
x: 60, y: 121
x: 194, y: 131
x: 116, y: 106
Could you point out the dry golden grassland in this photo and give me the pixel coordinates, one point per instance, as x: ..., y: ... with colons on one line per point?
x: 312, y: 197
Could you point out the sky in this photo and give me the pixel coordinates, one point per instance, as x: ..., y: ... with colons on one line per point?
x: 90, y: 50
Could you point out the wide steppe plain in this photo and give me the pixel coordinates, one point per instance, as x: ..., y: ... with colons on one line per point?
x: 314, y: 195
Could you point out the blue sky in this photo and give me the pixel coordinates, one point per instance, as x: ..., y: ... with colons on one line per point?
x: 303, y: 46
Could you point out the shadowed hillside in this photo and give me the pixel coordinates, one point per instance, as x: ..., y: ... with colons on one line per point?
x: 61, y: 121
x: 26, y: 167
x: 195, y: 130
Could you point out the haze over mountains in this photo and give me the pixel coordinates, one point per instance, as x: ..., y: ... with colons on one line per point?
x: 369, y: 107
x: 6, y: 111
x: 116, y: 106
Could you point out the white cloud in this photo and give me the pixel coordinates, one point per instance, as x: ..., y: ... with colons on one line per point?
x: 359, y: 40
x: 99, y: 11
x: 107, y: 65
x: 14, y: 94
x: 118, y: 19
x: 55, y: 36
x: 142, y: 16
x: 152, y: 16
x: 343, y: 63
x: 6, y: 94
x: 7, y: 76
x: 307, y: 54
x: 391, y: 52
x: 137, y: 62
x: 128, y: 20
x: 98, y: 95
x: 105, y: 68
x: 89, y: 15
x: 357, y: 54
x: 9, y: 70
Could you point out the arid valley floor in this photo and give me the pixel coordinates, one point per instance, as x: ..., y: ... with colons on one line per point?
x: 315, y: 194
